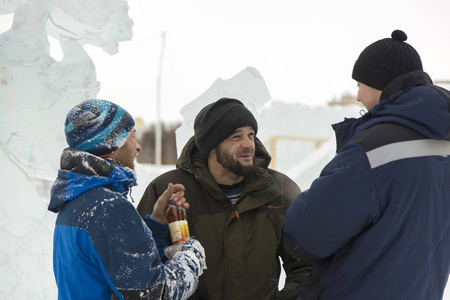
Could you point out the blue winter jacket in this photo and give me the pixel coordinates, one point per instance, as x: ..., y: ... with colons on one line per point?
x: 102, y: 247
x: 377, y: 220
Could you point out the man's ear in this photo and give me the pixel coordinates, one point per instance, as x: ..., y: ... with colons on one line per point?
x: 212, y: 156
x: 116, y: 155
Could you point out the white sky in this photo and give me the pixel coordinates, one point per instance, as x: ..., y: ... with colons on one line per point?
x: 304, y: 50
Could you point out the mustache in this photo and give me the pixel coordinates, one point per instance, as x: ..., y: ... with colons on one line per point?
x: 245, y: 152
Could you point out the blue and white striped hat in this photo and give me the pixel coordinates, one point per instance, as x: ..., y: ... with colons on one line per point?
x: 98, y: 126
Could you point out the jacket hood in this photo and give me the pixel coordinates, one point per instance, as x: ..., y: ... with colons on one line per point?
x: 81, y: 171
x: 410, y: 100
x: 192, y: 161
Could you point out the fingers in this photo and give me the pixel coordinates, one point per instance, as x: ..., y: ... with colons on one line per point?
x: 168, y: 192
x: 178, y: 191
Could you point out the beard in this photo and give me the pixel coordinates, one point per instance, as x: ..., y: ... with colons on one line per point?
x: 230, y: 163
x: 126, y: 157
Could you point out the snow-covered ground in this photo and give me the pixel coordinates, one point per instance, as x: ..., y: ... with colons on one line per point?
x: 36, y: 93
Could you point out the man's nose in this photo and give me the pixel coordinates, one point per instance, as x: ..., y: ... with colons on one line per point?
x: 247, y: 142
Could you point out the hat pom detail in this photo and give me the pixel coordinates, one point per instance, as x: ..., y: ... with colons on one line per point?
x: 399, y: 35
x: 386, y: 59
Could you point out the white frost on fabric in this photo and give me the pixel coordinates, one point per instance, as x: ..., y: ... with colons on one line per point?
x: 182, y: 272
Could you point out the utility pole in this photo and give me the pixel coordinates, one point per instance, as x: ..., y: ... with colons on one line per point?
x: 158, y: 128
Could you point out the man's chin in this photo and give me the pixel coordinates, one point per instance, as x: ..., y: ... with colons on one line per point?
x: 247, y: 168
x: 246, y: 162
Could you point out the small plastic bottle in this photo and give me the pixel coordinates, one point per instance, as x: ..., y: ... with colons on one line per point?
x: 178, y: 226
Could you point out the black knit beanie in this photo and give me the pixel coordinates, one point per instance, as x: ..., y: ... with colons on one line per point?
x: 386, y: 59
x: 218, y: 120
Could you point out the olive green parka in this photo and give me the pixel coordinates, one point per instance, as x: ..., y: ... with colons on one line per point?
x: 242, y: 242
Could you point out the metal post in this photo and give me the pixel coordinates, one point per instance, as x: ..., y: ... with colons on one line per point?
x: 158, y: 135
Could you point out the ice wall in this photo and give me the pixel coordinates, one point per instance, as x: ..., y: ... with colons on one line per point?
x: 36, y: 91
x: 26, y: 231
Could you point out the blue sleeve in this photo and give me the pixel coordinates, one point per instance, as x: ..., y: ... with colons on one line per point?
x: 125, y: 246
x: 160, y: 232
x: 338, y: 206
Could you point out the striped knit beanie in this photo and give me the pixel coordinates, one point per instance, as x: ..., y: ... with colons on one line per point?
x: 386, y: 59
x: 97, y: 126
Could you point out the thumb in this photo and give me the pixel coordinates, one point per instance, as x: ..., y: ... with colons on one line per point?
x: 167, y: 194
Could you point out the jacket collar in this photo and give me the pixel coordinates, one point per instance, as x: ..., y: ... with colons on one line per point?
x: 409, y: 100
x: 81, y: 171
x: 407, y: 80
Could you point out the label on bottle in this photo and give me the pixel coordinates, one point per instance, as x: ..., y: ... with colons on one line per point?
x: 179, y: 231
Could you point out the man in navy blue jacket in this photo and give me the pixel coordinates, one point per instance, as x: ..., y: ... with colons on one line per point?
x: 102, y: 248
x: 376, y: 223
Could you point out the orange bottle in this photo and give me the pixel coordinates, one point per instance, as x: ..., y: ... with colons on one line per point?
x: 178, y: 226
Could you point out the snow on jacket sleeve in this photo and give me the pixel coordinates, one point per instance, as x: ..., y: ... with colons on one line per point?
x: 129, y: 257
x: 183, y: 270
x: 340, y: 204
x: 126, y: 248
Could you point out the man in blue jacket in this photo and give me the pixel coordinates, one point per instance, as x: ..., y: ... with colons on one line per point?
x: 102, y: 248
x: 376, y: 223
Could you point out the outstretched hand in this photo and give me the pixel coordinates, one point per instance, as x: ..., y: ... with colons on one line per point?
x: 159, y: 210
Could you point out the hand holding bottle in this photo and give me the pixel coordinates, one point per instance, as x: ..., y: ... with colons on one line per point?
x: 159, y: 210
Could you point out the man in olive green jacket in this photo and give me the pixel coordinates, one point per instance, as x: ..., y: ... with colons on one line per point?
x: 237, y: 206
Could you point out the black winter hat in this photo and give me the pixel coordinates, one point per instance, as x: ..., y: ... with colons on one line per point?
x: 218, y: 120
x: 386, y: 59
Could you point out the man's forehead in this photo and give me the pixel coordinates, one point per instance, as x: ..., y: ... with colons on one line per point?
x: 244, y: 128
x: 132, y: 133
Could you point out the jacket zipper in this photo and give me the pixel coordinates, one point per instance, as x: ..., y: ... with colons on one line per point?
x: 244, y: 242
x: 236, y: 212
